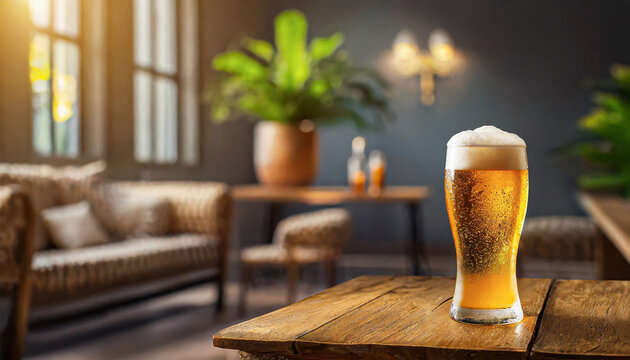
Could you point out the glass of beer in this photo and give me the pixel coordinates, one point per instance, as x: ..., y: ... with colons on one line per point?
x: 486, y: 184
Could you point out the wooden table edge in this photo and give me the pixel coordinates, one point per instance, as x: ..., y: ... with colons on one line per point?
x: 228, y: 342
x: 344, y: 195
x: 558, y: 355
x: 415, y: 347
x: 279, y: 346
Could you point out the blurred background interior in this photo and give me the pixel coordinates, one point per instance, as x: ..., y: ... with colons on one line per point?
x: 172, y: 167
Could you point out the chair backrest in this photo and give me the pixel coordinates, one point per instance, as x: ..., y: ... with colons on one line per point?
x: 559, y: 237
x: 329, y: 228
x: 49, y: 186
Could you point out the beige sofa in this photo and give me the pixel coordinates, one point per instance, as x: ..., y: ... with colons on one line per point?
x: 36, y: 275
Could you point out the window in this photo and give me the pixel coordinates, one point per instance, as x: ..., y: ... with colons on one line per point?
x: 54, y: 62
x: 165, y: 96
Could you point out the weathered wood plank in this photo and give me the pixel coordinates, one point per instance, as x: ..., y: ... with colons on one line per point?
x: 584, y: 320
x: 275, y: 332
x: 412, y: 322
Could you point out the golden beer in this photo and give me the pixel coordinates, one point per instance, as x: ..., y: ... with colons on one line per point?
x: 486, y: 197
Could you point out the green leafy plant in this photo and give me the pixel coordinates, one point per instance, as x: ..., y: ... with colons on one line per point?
x: 296, y: 80
x: 609, y: 126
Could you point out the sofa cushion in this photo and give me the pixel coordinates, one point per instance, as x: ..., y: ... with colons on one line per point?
x: 127, y: 214
x: 141, y: 215
x: 74, y: 226
x: 72, y: 273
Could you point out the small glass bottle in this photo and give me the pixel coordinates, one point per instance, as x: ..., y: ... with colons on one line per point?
x: 378, y: 169
x: 357, y: 176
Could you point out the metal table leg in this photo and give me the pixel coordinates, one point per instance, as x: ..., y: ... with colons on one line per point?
x: 417, y: 240
x: 275, y: 210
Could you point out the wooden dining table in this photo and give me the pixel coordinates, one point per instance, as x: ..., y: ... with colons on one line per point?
x: 410, y: 196
x: 384, y: 317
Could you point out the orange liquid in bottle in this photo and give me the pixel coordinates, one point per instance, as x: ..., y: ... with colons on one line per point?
x: 357, y: 182
x: 377, y: 179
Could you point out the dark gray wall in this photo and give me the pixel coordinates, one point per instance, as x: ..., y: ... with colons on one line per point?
x: 526, y: 63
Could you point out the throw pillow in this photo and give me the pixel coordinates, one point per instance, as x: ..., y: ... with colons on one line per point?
x: 128, y: 214
x: 74, y: 226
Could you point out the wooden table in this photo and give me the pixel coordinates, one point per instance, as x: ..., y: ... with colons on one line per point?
x: 411, y: 196
x: 612, y: 215
x: 381, y: 317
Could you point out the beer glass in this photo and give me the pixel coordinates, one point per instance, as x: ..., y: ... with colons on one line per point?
x: 486, y: 185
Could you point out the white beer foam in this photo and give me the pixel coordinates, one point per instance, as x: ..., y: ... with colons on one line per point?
x: 485, y: 136
x: 486, y: 148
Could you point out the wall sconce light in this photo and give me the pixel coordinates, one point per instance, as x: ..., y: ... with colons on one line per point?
x: 410, y: 60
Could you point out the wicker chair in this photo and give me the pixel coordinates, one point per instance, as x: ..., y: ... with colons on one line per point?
x: 299, y: 240
x: 17, y: 232
x: 569, y: 238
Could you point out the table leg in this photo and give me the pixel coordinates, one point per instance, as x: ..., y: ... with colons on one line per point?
x: 611, y: 265
x: 275, y: 210
x: 417, y: 240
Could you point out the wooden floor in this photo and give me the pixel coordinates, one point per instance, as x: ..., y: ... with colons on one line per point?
x: 180, y: 326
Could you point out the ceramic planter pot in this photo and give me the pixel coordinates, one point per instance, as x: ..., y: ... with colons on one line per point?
x: 285, y: 155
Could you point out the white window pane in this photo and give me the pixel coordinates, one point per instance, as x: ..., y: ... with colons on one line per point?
x: 165, y: 36
x: 67, y: 17
x: 39, y: 64
x: 66, y: 138
x: 142, y: 32
x: 65, y: 107
x: 40, y: 12
x: 42, y: 135
x: 165, y: 121
x: 142, y: 123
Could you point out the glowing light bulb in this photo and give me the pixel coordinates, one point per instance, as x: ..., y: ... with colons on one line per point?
x: 407, y: 57
x: 441, y: 46
x: 405, y: 46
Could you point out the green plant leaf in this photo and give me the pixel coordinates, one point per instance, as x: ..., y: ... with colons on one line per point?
x: 290, y: 84
x: 608, y: 125
x: 318, y: 87
x: 613, y: 126
x: 260, y: 48
x: 621, y: 75
x: 603, y: 181
x: 292, y: 62
x: 609, y: 102
x: 322, y: 47
x: 237, y: 63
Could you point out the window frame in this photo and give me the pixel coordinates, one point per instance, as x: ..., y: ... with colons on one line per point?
x: 176, y: 77
x: 78, y: 41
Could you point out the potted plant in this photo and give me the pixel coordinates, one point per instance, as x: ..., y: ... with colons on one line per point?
x: 291, y: 89
x: 609, y: 126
